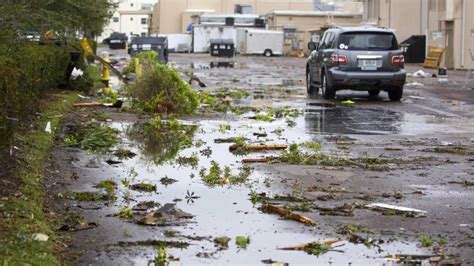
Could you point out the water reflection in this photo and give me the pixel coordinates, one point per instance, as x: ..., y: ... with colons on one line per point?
x: 160, y: 144
x: 325, y: 118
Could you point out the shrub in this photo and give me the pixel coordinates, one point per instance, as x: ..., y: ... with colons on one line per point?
x: 161, y: 89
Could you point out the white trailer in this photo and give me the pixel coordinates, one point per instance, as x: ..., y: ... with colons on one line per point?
x: 259, y: 41
x: 178, y: 42
x: 202, y: 34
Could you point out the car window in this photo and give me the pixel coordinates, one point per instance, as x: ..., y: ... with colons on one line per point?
x: 367, y: 41
x: 323, y: 40
x: 330, y: 40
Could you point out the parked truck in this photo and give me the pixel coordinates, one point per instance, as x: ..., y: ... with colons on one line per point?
x: 260, y: 42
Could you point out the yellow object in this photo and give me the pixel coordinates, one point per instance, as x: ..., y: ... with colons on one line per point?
x: 138, y: 68
x: 86, y: 47
x: 106, y: 76
x: 348, y: 102
x: 433, y: 59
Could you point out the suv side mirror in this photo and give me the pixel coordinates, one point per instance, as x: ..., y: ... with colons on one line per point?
x: 313, y: 46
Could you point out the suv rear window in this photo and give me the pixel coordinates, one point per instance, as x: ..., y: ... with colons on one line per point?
x: 380, y: 41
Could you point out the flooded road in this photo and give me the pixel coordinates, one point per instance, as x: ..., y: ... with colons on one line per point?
x: 276, y: 110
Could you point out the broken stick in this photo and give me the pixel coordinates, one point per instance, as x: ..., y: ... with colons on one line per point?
x: 260, y: 147
x: 287, y: 214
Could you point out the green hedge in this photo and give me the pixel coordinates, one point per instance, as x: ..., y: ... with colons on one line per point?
x: 27, y: 71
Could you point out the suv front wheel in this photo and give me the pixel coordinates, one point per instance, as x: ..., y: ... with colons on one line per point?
x: 395, y: 93
x: 309, y: 87
x: 327, y: 90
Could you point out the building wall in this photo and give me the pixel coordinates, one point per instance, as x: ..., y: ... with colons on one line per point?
x: 440, y: 20
x: 170, y: 15
x: 306, y: 25
x: 127, y: 18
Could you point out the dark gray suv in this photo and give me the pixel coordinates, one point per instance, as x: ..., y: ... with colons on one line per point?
x: 364, y: 58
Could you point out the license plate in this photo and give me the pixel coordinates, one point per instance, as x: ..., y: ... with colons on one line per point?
x: 369, y: 64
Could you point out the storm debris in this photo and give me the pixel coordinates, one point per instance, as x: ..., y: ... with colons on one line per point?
x: 145, y: 187
x: 388, y: 209
x: 146, y: 205
x: 344, y: 210
x: 222, y: 242
x: 259, y: 147
x: 242, y: 241
x: 315, y: 248
x: 286, y: 213
x: 169, y: 214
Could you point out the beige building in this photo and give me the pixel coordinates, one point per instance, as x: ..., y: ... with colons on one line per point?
x: 173, y: 16
x: 445, y: 23
x: 299, y: 27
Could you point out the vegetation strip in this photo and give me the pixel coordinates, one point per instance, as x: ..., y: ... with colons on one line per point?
x: 24, y: 219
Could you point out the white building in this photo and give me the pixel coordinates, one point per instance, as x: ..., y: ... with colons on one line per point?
x: 132, y: 17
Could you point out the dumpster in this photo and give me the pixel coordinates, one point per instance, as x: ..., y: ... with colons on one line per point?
x: 222, y: 47
x: 117, y: 41
x: 414, y: 49
x: 157, y: 44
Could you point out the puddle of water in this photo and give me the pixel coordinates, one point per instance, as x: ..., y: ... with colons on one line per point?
x: 227, y: 210
x: 341, y: 119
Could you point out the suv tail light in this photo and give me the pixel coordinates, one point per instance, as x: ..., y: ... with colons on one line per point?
x: 339, y: 59
x: 398, y: 60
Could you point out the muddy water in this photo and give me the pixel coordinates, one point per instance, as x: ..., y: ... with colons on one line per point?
x: 226, y: 210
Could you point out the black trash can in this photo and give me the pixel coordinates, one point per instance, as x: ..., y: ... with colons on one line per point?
x: 414, y: 49
x: 157, y: 44
x: 222, y: 47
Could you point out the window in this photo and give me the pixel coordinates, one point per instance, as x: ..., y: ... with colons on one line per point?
x: 131, y: 4
x: 330, y: 40
x: 131, y: 19
x: 367, y: 41
x: 143, y: 34
x: 116, y: 19
x: 147, y: 6
x: 144, y: 21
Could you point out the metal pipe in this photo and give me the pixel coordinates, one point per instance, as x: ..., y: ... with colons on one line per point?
x: 463, y: 32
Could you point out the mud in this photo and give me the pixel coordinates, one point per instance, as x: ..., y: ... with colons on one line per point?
x: 372, y: 127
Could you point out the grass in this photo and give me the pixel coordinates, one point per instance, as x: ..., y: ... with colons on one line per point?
x: 242, y: 241
x: 222, y: 241
x: 316, y: 248
x: 426, y: 241
x: 125, y: 213
x: 24, y: 215
x: 192, y: 161
x: 146, y: 187
x: 221, y: 176
x: 88, y: 196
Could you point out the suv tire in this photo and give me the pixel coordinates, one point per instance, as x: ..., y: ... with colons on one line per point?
x: 374, y: 92
x: 310, y: 88
x: 395, y: 93
x: 327, y: 90
x: 268, y: 53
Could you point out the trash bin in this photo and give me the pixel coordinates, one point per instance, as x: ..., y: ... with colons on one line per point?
x: 222, y: 47
x: 117, y: 41
x: 157, y: 44
x: 414, y: 49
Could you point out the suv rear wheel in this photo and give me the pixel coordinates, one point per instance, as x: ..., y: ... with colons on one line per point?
x: 310, y: 88
x: 395, y: 93
x: 327, y: 90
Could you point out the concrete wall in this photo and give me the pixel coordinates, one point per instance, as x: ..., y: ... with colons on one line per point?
x: 170, y: 15
x: 440, y: 20
x: 305, y: 24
